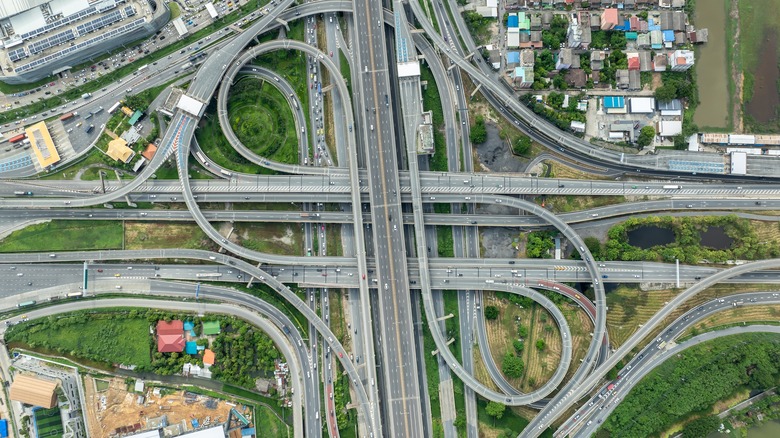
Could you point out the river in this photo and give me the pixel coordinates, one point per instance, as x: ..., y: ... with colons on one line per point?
x: 770, y: 429
x: 711, y: 67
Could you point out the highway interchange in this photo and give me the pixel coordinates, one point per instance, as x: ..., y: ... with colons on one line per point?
x: 381, y: 269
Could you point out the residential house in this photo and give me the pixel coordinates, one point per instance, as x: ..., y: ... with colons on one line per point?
x: 681, y: 60
x: 565, y: 59
x: 609, y: 19
x: 576, y: 78
x: 645, y: 61
x: 634, y: 80
x: 523, y: 77
x: 633, y: 60
x: 536, y: 22
x: 597, y: 58
x: 660, y: 62
x: 547, y: 17
x: 698, y: 36
x: 512, y: 59
x: 170, y: 336
x: 595, y: 21
x: 527, y: 58
x: 621, y: 78
x: 656, y: 39
x: 643, y: 41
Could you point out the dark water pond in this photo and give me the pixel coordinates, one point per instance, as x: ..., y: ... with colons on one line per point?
x: 716, y: 238
x: 649, y: 236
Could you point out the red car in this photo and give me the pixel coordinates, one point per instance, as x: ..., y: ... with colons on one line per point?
x: 100, y: 270
x: 331, y: 54
x: 341, y: 355
x: 364, y: 276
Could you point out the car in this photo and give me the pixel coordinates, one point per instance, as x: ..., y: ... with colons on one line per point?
x: 117, y: 275
x: 341, y: 355
x: 100, y: 270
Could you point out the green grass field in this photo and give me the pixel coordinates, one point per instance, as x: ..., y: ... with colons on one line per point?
x: 214, y: 144
x: 270, y: 424
x: 262, y: 119
x: 63, y: 235
x: 757, y: 18
x: 49, y: 423
x: 103, y: 337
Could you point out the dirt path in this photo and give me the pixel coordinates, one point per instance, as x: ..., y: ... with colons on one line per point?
x: 736, y: 74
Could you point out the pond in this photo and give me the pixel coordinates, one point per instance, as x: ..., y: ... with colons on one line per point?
x: 770, y: 429
x: 649, y: 236
x: 716, y: 238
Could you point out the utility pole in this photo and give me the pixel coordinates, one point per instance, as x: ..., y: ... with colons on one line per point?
x: 677, y: 265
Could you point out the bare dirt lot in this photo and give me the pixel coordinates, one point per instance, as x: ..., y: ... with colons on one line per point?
x: 112, y: 408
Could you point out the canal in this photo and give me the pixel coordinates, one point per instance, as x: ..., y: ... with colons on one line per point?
x: 711, y: 66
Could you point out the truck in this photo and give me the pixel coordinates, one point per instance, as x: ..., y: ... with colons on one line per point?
x: 65, y: 117
x: 26, y: 304
x: 22, y: 193
x: 17, y: 138
x: 114, y: 107
x: 75, y: 295
x: 143, y: 67
x: 672, y: 187
x: 97, y: 111
x: 186, y: 65
x: 86, y: 95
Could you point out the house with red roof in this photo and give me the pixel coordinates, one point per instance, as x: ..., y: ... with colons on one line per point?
x: 170, y: 336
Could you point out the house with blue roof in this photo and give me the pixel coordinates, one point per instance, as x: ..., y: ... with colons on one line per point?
x: 512, y: 21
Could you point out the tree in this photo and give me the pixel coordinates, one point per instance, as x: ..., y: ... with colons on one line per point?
x: 646, y: 135
x: 512, y: 366
x: 495, y: 410
x: 540, y: 345
x: 594, y: 246
x: 522, y: 331
x: 701, y: 427
x: 518, y: 346
x: 491, y: 312
x: 478, y: 133
x: 522, y: 146
x: 666, y: 92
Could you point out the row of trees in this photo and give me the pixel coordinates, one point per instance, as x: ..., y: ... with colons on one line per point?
x: 694, y: 381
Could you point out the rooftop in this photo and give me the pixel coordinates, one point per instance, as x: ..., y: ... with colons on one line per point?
x: 42, y: 144
x: 34, y: 391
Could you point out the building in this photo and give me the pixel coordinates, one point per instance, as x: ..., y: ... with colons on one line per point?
x: 621, y: 78
x: 656, y: 39
x: 633, y: 60
x: 149, y: 152
x: 489, y: 9
x: 523, y: 77
x: 577, y: 126
x: 738, y: 163
x: 698, y: 36
x: 170, y: 336
x: 208, y: 357
x: 565, y: 59
x: 597, y: 58
x: 212, y: 11
x: 42, y: 144
x: 660, y: 62
x: 614, y: 104
x: 641, y: 105
x: 512, y: 59
x: 609, y: 19
x: 39, y: 38
x: 670, y: 107
x: 576, y: 78
x: 34, y: 391
x: 669, y: 128
x: 681, y: 60
x: 634, y: 80
x: 118, y: 150
x: 139, y: 386
x: 512, y: 37
x: 3, y: 428
x: 180, y: 27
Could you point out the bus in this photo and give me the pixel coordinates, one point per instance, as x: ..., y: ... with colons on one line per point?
x: 208, y: 275
x: 65, y: 117
x: 22, y: 193
x: 114, y: 107
x: 225, y: 172
x: 75, y: 295
x: 26, y: 304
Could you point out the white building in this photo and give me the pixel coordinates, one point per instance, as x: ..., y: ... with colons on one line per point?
x: 669, y: 128
x: 681, y: 60
x: 641, y: 105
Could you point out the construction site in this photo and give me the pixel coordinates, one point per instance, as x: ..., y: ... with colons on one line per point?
x: 117, y: 409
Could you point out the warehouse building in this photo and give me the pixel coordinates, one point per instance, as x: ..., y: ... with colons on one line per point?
x: 39, y: 38
x: 34, y: 391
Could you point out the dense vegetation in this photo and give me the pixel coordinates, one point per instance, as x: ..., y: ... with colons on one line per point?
x: 693, y: 381
x: 539, y: 244
x: 122, y: 336
x: 687, y: 245
x: 557, y: 114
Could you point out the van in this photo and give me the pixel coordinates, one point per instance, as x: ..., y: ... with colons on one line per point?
x: 118, y: 287
x: 52, y: 255
x: 490, y: 281
x: 212, y: 258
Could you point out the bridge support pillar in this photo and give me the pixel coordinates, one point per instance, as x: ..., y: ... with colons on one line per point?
x: 445, y: 317
x: 475, y: 90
